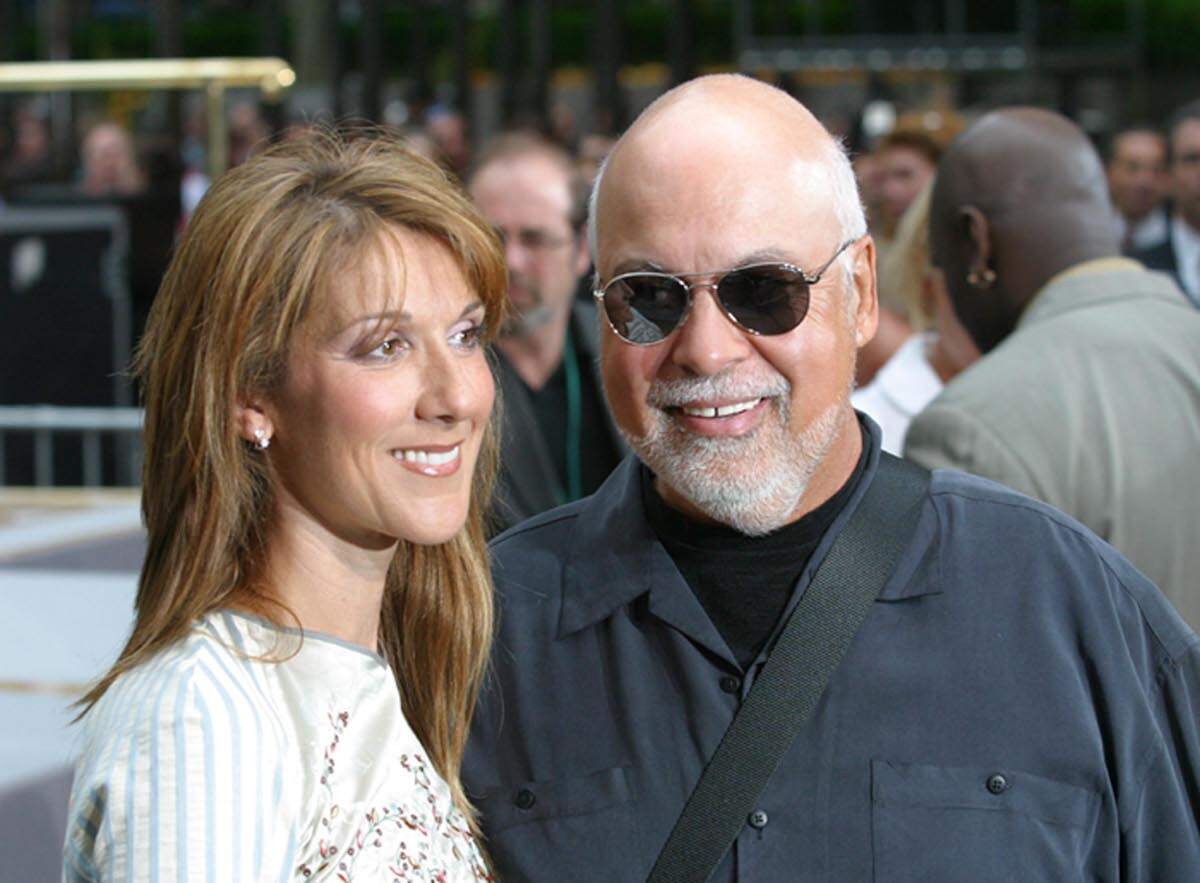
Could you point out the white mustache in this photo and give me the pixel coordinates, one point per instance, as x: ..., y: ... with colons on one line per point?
x: 674, y: 393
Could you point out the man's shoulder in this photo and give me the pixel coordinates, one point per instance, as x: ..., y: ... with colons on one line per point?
x: 1000, y: 543
x: 543, y: 528
x: 1042, y: 360
x: 536, y: 547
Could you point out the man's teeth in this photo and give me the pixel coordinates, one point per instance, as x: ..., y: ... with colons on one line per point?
x: 427, y: 458
x: 723, y: 411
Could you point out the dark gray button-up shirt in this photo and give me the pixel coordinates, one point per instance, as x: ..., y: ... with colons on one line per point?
x: 1020, y: 704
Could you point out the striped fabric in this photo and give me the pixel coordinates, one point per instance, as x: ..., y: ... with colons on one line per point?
x: 248, y: 753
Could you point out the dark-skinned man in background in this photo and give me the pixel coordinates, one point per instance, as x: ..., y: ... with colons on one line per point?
x: 1018, y: 704
x: 1088, y: 393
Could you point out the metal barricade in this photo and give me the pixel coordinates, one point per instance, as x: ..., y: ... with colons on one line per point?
x: 45, y: 422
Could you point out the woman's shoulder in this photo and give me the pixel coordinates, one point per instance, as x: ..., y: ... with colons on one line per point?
x: 202, y: 681
x: 187, y: 740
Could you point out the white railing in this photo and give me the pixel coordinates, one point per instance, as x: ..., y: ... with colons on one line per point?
x: 45, y: 422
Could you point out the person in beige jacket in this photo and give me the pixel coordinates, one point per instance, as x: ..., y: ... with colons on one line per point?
x: 1088, y: 394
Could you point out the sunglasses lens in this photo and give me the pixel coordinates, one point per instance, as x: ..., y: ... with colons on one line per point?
x: 767, y: 300
x: 645, y: 309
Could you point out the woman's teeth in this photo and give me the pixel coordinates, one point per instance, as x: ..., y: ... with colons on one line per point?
x: 427, y: 458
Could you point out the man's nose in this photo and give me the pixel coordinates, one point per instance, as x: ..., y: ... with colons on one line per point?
x: 708, y: 342
x: 516, y: 255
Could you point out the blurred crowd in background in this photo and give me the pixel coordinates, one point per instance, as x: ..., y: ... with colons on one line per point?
x: 1152, y: 167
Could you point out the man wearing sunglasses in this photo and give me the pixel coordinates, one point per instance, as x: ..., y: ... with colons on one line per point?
x: 1018, y: 703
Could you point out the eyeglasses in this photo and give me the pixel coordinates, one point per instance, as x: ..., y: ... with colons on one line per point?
x: 644, y: 307
x: 532, y: 239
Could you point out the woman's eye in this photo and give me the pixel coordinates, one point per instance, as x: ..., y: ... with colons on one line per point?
x: 388, y: 349
x: 468, y: 338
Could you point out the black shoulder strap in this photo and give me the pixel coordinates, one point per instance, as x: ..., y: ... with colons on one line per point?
x: 808, y: 651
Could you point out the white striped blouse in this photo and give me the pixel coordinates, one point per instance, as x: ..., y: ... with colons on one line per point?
x: 246, y: 753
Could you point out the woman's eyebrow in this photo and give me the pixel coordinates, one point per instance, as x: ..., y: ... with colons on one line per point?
x: 372, y: 318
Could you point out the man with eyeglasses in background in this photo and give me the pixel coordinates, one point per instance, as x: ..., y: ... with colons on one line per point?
x: 1137, y: 183
x: 557, y: 441
x: 1179, y: 255
x: 1018, y: 703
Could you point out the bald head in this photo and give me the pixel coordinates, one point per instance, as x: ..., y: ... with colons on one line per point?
x: 716, y: 137
x: 1020, y: 197
x: 1021, y: 161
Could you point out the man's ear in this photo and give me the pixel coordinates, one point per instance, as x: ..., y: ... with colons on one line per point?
x: 866, y: 318
x: 978, y: 235
x: 252, y: 420
x: 583, y: 257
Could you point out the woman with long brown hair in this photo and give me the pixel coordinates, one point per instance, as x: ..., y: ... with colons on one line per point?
x: 318, y: 459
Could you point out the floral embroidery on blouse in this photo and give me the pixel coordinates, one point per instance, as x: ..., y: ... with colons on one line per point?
x: 422, y: 838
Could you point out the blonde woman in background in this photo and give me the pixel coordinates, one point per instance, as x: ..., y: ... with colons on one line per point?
x: 939, y: 347
x: 314, y: 611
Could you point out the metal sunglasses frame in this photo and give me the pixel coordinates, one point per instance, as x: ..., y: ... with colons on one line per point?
x: 714, y: 278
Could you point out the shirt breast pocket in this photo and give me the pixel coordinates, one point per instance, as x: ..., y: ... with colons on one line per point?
x: 586, y: 822
x: 935, y: 823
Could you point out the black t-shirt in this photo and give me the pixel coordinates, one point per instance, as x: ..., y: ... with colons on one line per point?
x: 744, y: 583
x: 598, y: 454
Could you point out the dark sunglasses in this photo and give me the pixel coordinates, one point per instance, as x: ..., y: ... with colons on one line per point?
x: 644, y: 307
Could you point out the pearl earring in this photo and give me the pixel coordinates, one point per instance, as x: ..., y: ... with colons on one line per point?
x: 261, y: 440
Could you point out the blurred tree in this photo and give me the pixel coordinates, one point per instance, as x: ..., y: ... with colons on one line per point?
x: 538, y: 85
x: 609, y: 114
x: 460, y: 25
x: 679, y: 41
x: 168, y: 43
x: 506, y: 59
x: 370, y: 48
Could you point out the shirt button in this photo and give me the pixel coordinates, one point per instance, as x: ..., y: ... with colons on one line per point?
x: 525, y: 799
x: 730, y: 684
x: 758, y: 819
x: 997, y: 783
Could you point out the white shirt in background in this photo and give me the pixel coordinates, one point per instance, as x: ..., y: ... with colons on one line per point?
x: 900, y: 390
x: 1150, y: 231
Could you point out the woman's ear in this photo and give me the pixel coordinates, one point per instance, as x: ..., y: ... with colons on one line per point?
x: 253, y: 423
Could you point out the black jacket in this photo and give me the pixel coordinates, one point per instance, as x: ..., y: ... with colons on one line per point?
x: 1163, y: 259
x: 528, y: 483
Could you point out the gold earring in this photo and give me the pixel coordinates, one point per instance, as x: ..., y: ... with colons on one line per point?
x: 982, y: 279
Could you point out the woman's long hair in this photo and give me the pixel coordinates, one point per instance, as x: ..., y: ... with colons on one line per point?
x: 258, y: 255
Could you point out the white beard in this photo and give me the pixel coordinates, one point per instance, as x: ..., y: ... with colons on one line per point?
x: 752, y: 483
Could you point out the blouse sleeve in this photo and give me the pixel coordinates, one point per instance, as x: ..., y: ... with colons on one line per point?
x: 180, y: 779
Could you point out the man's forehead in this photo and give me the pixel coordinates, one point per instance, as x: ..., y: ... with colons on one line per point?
x: 521, y: 173
x: 652, y: 211
x: 1187, y: 134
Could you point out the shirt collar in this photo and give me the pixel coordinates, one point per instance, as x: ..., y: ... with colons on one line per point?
x: 1079, y: 288
x: 1150, y: 230
x: 614, y: 557
x: 1096, y: 265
